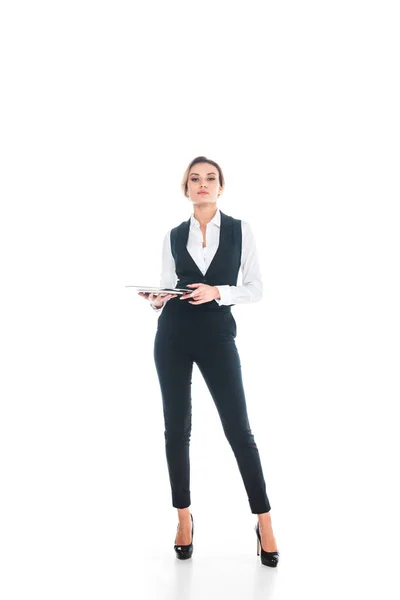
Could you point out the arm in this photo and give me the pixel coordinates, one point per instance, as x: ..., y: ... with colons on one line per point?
x: 168, y: 278
x: 252, y: 288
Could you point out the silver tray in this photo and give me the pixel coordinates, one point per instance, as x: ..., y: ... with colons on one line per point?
x: 158, y: 290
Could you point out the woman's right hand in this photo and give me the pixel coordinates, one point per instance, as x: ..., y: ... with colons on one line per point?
x: 158, y: 300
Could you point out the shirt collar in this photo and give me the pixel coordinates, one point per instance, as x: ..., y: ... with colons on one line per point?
x: 216, y: 220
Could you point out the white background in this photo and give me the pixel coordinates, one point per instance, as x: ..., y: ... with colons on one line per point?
x: 103, y: 106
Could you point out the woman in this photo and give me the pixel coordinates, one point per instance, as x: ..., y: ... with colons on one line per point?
x: 205, y: 253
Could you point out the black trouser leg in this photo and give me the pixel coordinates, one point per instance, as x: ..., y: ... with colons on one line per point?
x: 174, y: 368
x: 219, y: 364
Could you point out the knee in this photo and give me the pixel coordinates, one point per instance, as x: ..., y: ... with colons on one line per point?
x: 240, y: 436
x: 178, y: 435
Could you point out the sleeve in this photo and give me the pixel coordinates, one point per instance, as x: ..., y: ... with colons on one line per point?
x: 168, y: 278
x: 251, y: 289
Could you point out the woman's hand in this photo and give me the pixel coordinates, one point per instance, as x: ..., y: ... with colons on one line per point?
x: 203, y: 293
x: 157, y: 300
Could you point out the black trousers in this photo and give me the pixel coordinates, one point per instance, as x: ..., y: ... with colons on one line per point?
x: 209, y: 341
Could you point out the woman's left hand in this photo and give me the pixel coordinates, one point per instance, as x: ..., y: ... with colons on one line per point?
x: 203, y: 293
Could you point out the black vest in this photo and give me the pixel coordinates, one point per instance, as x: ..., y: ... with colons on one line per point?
x: 223, y: 269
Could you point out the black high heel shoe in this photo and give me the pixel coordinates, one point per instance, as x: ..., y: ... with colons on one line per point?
x: 270, y: 559
x: 184, y: 552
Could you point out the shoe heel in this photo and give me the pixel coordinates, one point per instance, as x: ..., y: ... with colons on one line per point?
x: 269, y: 559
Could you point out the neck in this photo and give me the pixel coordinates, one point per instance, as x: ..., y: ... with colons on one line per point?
x: 204, y: 213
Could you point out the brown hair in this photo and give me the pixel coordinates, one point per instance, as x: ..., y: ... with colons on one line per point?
x: 201, y: 159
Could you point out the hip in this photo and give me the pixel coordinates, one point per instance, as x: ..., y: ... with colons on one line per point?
x: 206, y: 324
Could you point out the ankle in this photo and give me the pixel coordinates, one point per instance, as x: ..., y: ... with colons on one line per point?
x: 184, y: 515
x: 264, y: 518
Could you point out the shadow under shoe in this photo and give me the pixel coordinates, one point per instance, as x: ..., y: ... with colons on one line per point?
x: 184, y: 552
x: 270, y: 559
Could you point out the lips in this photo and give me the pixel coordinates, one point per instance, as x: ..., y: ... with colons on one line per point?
x: 202, y: 192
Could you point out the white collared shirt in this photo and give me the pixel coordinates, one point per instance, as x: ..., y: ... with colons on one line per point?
x: 251, y: 288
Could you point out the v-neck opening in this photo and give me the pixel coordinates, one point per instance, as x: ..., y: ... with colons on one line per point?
x: 203, y: 247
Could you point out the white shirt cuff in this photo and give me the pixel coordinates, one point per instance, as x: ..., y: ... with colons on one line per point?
x: 225, y: 295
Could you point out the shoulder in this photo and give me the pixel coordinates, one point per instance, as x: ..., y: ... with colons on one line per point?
x: 174, y: 230
x: 245, y: 227
x: 236, y: 223
x: 241, y: 225
x: 244, y: 224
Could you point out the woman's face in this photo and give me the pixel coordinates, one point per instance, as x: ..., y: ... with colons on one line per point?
x: 203, y: 177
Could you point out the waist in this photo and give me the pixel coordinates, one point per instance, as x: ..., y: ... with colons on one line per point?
x: 184, y: 308
x: 180, y: 318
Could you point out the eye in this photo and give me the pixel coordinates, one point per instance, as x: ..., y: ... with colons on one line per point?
x: 196, y: 178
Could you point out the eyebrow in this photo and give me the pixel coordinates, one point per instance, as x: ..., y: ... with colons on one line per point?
x: 212, y: 173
